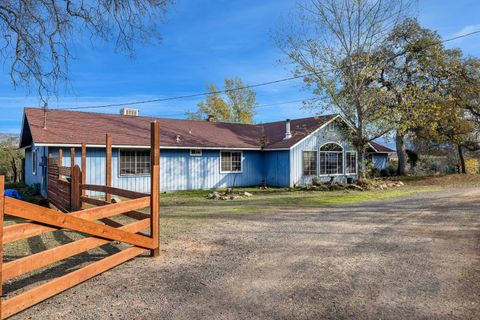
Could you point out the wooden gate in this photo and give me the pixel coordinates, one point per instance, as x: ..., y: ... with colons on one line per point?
x: 42, y: 220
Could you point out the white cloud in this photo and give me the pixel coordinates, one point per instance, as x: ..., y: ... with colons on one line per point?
x: 466, y: 30
x: 470, y: 45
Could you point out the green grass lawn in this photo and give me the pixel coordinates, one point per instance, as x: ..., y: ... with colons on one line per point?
x: 277, y: 199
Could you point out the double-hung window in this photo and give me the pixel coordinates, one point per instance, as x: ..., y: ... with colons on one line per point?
x: 331, y: 159
x: 350, y: 162
x: 230, y: 161
x: 309, y: 163
x: 133, y: 162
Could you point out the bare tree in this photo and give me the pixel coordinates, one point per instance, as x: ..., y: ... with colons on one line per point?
x: 37, y: 35
x: 333, y: 43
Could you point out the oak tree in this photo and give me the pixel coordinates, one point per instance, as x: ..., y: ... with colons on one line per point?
x: 236, y: 103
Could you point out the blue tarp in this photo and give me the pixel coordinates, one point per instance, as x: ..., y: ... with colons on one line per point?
x: 12, y: 194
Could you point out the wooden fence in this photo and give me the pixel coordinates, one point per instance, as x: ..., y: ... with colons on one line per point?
x: 59, y: 190
x: 42, y: 220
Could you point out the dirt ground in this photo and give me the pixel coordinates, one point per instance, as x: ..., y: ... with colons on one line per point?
x: 413, y: 257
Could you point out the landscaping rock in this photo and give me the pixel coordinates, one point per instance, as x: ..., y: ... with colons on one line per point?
x: 247, y: 194
x: 354, y: 187
x: 214, y: 195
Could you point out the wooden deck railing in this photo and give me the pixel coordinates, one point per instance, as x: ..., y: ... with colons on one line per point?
x: 93, y: 221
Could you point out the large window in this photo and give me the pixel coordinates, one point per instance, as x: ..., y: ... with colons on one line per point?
x: 331, y: 159
x: 230, y: 161
x: 34, y: 162
x: 309, y: 163
x: 350, y: 162
x: 134, y: 162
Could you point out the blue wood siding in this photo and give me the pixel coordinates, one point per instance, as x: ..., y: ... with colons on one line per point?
x: 277, y: 168
x: 38, y: 178
x: 313, y: 143
x: 178, y: 170
x: 380, y: 160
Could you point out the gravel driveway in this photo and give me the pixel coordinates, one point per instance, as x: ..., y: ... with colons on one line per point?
x: 403, y: 258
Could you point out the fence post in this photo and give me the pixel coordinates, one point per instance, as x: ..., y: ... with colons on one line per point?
x: 84, y: 165
x: 72, y: 158
x: 60, y: 157
x: 155, y: 187
x: 75, y: 182
x: 2, y: 211
x: 108, y: 165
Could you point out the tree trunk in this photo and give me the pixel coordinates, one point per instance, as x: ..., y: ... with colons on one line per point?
x: 463, y: 168
x: 362, y: 172
x: 401, y: 154
x: 15, y: 170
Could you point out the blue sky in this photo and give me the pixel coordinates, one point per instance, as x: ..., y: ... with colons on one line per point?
x: 204, y: 42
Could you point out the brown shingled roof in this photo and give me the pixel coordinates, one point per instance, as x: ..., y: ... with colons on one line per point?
x: 74, y: 128
x: 381, y: 148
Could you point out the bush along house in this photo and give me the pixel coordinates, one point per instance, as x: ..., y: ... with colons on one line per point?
x: 194, y: 154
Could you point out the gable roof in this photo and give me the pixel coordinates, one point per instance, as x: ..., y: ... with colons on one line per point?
x: 377, y: 147
x: 67, y: 128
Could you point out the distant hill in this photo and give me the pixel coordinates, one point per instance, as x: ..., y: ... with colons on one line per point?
x: 5, y: 136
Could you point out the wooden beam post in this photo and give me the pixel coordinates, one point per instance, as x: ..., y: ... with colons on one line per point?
x: 2, y: 211
x: 155, y: 187
x: 108, y: 165
x: 60, y: 157
x: 75, y: 202
x: 72, y: 158
x: 84, y: 166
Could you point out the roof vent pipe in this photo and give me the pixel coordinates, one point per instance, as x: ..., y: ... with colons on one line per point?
x: 288, y: 133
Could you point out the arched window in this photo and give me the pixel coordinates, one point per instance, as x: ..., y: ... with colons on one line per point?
x: 331, y: 159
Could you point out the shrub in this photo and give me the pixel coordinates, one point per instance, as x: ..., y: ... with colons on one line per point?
x: 375, y: 173
x: 32, y: 190
x: 412, y: 158
x: 426, y: 166
x: 471, y: 166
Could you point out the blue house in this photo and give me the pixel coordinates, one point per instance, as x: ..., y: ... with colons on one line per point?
x: 194, y: 154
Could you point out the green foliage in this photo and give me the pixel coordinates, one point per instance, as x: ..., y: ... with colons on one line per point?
x: 472, y: 166
x: 389, y: 171
x: 32, y: 190
x: 412, y: 158
x: 10, y: 160
x: 333, y: 43
x: 426, y: 166
x: 237, y: 104
x: 413, y: 61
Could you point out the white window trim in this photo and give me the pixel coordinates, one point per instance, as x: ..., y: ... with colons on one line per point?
x: 193, y: 154
x: 343, y: 160
x: 356, y: 163
x: 331, y: 174
x: 318, y: 164
x: 241, y: 161
x: 34, y: 163
x: 120, y: 174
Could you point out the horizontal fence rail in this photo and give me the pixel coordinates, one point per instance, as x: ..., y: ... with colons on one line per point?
x: 114, y: 191
x: 89, y: 216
